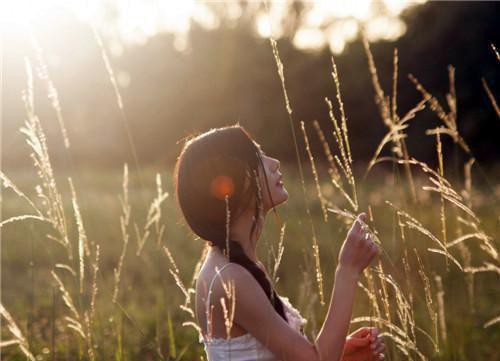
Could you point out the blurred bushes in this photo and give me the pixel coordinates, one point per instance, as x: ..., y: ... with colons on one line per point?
x: 229, y: 75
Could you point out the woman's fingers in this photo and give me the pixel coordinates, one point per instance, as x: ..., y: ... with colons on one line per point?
x: 357, y: 226
x: 361, y: 332
x: 377, y: 343
x: 379, y: 349
x: 374, y: 334
x: 358, y: 249
x: 358, y: 341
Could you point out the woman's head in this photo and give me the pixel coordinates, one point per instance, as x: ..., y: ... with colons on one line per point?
x: 221, y: 170
x: 225, y: 163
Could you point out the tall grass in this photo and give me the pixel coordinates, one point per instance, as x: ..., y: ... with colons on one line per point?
x: 108, y: 291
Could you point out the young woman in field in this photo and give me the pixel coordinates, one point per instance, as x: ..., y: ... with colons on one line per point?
x: 225, y: 186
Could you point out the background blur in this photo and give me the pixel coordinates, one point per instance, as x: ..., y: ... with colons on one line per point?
x: 185, y: 66
x: 127, y: 81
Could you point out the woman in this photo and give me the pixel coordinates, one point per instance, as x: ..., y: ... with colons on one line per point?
x: 225, y: 186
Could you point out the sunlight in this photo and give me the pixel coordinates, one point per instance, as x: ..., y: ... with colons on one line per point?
x: 323, y: 23
x: 343, y: 20
x: 19, y: 12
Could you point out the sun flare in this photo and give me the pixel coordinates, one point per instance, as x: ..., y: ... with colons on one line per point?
x: 324, y: 23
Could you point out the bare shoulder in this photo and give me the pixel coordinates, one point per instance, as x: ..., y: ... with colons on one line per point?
x: 217, y: 268
x: 229, y: 273
x: 223, y: 280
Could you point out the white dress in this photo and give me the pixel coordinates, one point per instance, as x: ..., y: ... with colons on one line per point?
x: 246, y: 347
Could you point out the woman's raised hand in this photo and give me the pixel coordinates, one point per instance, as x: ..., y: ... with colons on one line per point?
x: 358, y: 249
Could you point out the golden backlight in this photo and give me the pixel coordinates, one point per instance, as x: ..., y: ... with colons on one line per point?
x: 323, y: 23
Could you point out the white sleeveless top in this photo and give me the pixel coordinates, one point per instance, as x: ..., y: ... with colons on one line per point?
x: 245, y: 347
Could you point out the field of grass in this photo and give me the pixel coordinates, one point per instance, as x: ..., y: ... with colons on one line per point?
x: 102, y: 268
x: 147, y: 319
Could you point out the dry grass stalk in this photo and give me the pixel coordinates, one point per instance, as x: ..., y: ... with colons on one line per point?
x: 322, y: 199
x: 487, y: 267
x: 279, y: 65
x: 186, y: 291
x: 73, y: 322
x: 412, y: 223
x: 319, y: 275
x: 93, y: 297
x: 228, y: 226
x: 344, y: 163
x: 467, y: 192
x: 339, y: 138
x: 388, y: 112
x: 396, y: 134
x: 308, y: 298
x: 443, y: 187
x: 394, y: 102
x: 7, y: 183
x: 487, y: 241
x: 448, y: 118
x: 407, y: 273
x: 380, y: 98
x: 469, y: 277
x: 439, y: 149
x: 495, y: 51
x: 108, y: 66
x: 67, y: 268
x: 153, y: 218
x: 90, y: 346
x: 277, y: 258
x: 19, y: 339
x: 83, y: 247
x: 52, y: 93
x: 23, y: 217
x: 428, y: 300
x: 228, y: 311
x: 404, y: 311
x: 48, y: 190
x: 119, y: 101
x: 441, y: 308
x: 491, y: 97
x: 383, y: 292
x: 199, y: 264
x: 124, y: 223
x: 492, y: 322
x: 333, y: 169
x: 343, y: 118
x: 371, y: 293
x: 281, y: 73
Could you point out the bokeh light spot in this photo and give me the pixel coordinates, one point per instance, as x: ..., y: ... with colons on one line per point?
x: 222, y: 186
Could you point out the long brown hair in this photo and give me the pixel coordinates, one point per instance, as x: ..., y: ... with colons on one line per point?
x: 217, y: 172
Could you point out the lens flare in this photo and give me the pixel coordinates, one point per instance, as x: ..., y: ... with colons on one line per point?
x: 222, y: 186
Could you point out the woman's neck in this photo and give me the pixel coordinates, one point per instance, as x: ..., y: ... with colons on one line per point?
x: 240, y: 232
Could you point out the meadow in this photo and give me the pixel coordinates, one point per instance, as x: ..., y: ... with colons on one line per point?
x: 98, y: 265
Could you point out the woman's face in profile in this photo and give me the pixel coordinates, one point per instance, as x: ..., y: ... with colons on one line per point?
x: 274, y: 178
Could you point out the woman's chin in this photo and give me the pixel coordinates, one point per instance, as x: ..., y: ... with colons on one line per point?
x: 281, y: 196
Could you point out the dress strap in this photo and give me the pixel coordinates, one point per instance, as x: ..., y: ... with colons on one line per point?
x: 209, y: 294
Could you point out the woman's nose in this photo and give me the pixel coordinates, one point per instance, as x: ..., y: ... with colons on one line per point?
x: 276, y: 164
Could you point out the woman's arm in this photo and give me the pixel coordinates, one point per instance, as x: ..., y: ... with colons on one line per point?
x: 255, y: 314
x: 356, y: 253
x: 331, y: 338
